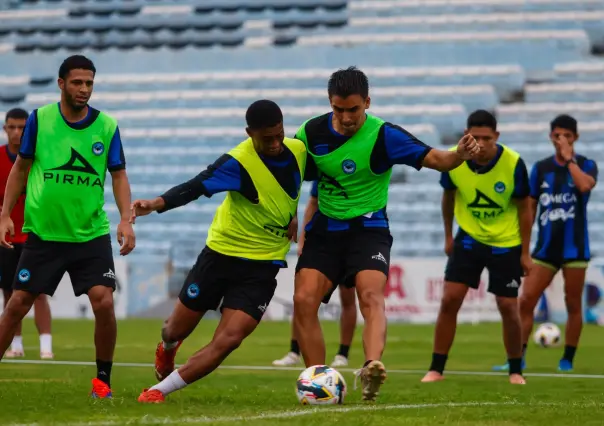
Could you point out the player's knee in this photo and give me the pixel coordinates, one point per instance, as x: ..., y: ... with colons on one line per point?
x: 573, y: 305
x: 508, y: 307
x: 450, y: 305
x: 305, y: 301
x: 102, y: 303
x: 229, y: 340
x: 19, y: 304
x: 371, y: 299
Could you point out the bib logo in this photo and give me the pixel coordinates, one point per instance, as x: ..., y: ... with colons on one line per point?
x: 483, y: 207
x: 98, y: 148
x: 331, y: 186
x: 349, y: 167
x: 279, y: 231
x: 65, y: 174
x: 500, y: 187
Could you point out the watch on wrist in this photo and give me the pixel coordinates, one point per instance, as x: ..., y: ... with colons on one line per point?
x: 572, y: 160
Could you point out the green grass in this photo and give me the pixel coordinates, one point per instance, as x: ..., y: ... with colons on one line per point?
x: 58, y: 394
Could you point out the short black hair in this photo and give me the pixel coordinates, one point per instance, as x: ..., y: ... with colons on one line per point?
x: 76, y: 62
x: 263, y: 113
x: 482, y: 118
x: 16, y: 114
x: 565, y: 122
x: 347, y: 82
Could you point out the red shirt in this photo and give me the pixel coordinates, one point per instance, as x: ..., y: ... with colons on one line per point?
x: 17, y: 215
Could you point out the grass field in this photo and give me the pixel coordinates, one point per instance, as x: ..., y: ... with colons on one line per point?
x: 52, y: 393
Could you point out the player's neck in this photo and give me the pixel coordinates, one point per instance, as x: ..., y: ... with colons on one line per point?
x: 72, y: 115
x: 13, y: 148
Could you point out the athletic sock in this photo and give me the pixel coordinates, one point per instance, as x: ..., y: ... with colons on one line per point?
x: 367, y: 363
x: 103, y: 371
x: 17, y: 344
x: 344, y: 350
x: 515, y: 365
x: 438, y: 362
x: 294, y: 347
x: 45, y: 343
x: 569, y: 353
x: 170, y: 384
x: 169, y: 345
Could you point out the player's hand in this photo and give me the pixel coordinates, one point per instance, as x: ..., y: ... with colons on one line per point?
x: 467, y: 147
x: 6, y: 227
x: 564, y: 148
x: 292, y: 230
x: 527, y: 264
x: 141, y: 208
x: 449, y: 246
x: 300, y: 243
x: 125, y: 237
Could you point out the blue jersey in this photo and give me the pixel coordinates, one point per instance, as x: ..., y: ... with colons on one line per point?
x: 561, y: 211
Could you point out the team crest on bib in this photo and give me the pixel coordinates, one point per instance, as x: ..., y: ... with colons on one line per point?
x: 98, y: 148
x: 349, y: 167
x: 499, y: 187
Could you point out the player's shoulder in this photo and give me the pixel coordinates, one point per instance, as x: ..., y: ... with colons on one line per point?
x: 583, y: 160
x: 102, y: 115
x: 317, y: 122
x: 295, y: 145
x: 546, y: 165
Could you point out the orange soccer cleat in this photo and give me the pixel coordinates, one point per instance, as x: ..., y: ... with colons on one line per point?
x: 100, y: 389
x: 164, y: 360
x: 151, y: 397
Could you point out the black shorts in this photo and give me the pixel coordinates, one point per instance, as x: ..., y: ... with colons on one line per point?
x: 9, y: 259
x: 43, y: 264
x: 217, y: 281
x: 469, y: 259
x: 341, y: 255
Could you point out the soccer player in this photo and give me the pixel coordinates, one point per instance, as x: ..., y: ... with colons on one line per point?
x: 246, y: 246
x: 348, y: 313
x: 14, y: 124
x: 560, y: 188
x: 349, y: 241
x: 489, y: 198
x: 69, y: 146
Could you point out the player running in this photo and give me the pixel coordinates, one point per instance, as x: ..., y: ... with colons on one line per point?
x: 560, y: 189
x: 69, y: 147
x: 489, y: 198
x: 348, y: 302
x: 14, y: 124
x: 246, y: 246
x: 348, y: 240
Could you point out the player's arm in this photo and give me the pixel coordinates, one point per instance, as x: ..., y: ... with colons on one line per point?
x: 311, y: 208
x: 534, y: 187
x: 444, y: 161
x: 448, y: 209
x: 522, y: 198
x: 584, y: 180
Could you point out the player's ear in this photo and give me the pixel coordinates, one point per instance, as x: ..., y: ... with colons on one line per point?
x: 61, y: 83
x: 248, y: 131
x: 367, y: 102
x: 497, y: 136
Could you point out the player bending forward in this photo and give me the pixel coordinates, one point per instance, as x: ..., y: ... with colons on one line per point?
x: 349, y: 241
x: 69, y: 147
x: 348, y: 314
x: 560, y: 189
x: 9, y: 258
x: 246, y: 246
x: 489, y: 199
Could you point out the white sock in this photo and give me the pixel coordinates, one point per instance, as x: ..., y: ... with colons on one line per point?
x: 170, y: 384
x: 45, y: 343
x: 17, y: 344
x: 170, y: 345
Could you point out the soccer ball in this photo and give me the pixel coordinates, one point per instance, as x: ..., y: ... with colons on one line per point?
x: 320, y: 385
x: 547, y: 335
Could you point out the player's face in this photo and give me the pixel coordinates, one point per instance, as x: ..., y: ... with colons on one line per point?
x: 349, y: 113
x: 77, y: 88
x: 559, y: 133
x: 487, y: 140
x: 268, y: 140
x: 14, y: 129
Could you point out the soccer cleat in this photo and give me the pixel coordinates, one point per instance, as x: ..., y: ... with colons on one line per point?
x: 290, y: 359
x: 433, y: 376
x: 565, y: 366
x: 46, y: 355
x: 517, y: 379
x: 506, y: 366
x: 151, y: 396
x: 100, y: 389
x: 164, y: 360
x: 14, y: 354
x: 372, y: 377
x: 339, y: 361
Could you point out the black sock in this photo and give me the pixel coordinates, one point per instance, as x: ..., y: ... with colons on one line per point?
x: 367, y: 363
x: 344, y: 349
x: 515, y: 365
x: 294, y: 347
x: 569, y: 353
x: 103, y: 371
x: 438, y: 362
x: 524, y: 350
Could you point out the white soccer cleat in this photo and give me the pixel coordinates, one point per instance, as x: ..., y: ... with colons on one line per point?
x: 372, y: 378
x: 290, y: 359
x: 339, y: 361
x: 46, y: 355
x: 14, y: 354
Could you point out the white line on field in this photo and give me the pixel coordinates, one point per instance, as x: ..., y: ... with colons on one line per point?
x: 272, y: 368
x: 280, y: 415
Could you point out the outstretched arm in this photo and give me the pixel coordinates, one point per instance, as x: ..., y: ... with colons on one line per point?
x: 444, y: 161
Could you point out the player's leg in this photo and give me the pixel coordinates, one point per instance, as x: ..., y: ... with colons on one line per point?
x: 293, y: 356
x: 574, y: 283
x: 8, y: 268
x: 463, y: 271
x: 18, y: 306
x: 43, y: 318
x: 16, y: 347
x: 348, y: 323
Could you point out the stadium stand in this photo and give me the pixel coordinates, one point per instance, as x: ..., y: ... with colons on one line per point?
x: 178, y: 75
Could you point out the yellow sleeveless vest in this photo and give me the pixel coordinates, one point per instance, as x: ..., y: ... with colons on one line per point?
x: 483, y: 202
x: 256, y: 231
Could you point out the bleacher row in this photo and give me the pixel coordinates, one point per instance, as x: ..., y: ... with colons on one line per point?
x: 430, y: 62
